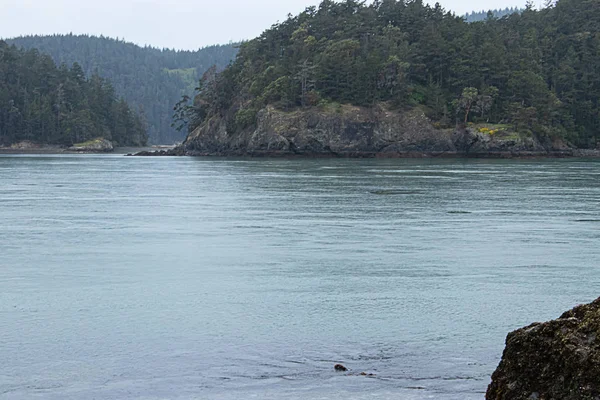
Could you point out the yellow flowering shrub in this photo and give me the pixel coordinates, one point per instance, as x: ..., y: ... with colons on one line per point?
x: 488, y: 131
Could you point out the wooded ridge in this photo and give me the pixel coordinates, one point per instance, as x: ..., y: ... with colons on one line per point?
x: 151, y: 80
x: 534, y: 73
x: 43, y: 103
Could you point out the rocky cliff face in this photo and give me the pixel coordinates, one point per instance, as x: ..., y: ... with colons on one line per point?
x: 556, y: 360
x: 354, y: 132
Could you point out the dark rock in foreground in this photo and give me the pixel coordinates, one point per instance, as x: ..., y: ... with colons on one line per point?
x: 556, y: 360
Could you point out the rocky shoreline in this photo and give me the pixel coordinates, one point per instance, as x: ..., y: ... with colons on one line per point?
x: 357, y: 132
x: 573, y: 153
x: 92, y: 147
x: 97, y: 145
x: 49, y: 151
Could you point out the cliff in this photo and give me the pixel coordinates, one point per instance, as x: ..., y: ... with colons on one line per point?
x: 556, y: 360
x: 349, y: 131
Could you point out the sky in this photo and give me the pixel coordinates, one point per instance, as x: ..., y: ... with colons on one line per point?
x: 180, y: 24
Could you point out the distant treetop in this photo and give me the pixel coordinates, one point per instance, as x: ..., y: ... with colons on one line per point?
x: 476, y: 16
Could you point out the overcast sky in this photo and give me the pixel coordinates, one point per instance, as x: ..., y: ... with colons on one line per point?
x: 181, y: 24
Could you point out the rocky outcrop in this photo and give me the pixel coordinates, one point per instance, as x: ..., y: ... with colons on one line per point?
x: 158, y: 153
x: 348, y: 131
x: 98, y: 145
x: 556, y: 360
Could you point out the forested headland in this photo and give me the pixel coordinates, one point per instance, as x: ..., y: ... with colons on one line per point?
x: 535, y: 74
x: 151, y: 80
x: 49, y: 104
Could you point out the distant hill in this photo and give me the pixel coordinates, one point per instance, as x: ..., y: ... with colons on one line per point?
x: 476, y: 16
x: 151, y: 80
x: 46, y: 104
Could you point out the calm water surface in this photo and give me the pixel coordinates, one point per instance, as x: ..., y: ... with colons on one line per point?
x: 182, y: 278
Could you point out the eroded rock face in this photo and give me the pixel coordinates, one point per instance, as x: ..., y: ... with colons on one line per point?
x: 556, y: 360
x: 349, y: 132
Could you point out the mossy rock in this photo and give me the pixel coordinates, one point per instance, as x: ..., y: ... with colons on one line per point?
x: 556, y: 360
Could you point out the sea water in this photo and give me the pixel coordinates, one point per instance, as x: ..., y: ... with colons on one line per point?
x: 207, y: 278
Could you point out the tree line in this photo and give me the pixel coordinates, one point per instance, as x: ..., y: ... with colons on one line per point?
x: 151, y: 80
x: 476, y: 16
x: 538, y: 70
x: 44, y: 103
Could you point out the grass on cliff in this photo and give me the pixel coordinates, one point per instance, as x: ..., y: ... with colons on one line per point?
x: 90, y: 142
x: 500, y: 131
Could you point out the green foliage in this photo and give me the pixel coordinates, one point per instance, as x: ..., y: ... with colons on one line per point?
x: 535, y: 70
x: 45, y: 104
x: 245, y: 118
x: 466, y: 101
x: 278, y: 92
x: 151, y: 80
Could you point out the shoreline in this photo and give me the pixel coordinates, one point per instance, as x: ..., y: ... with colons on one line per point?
x: 168, y: 151
x: 56, y: 151
x: 575, y: 153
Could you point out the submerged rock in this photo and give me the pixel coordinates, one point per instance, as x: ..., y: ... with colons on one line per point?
x: 556, y: 360
x: 340, y: 368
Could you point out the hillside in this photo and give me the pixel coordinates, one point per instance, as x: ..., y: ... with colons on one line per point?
x: 46, y: 104
x: 151, y: 80
x: 533, y: 75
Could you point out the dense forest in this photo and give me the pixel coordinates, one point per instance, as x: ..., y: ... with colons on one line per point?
x: 537, y: 71
x: 476, y: 16
x: 149, y: 79
x: 59, y: 105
